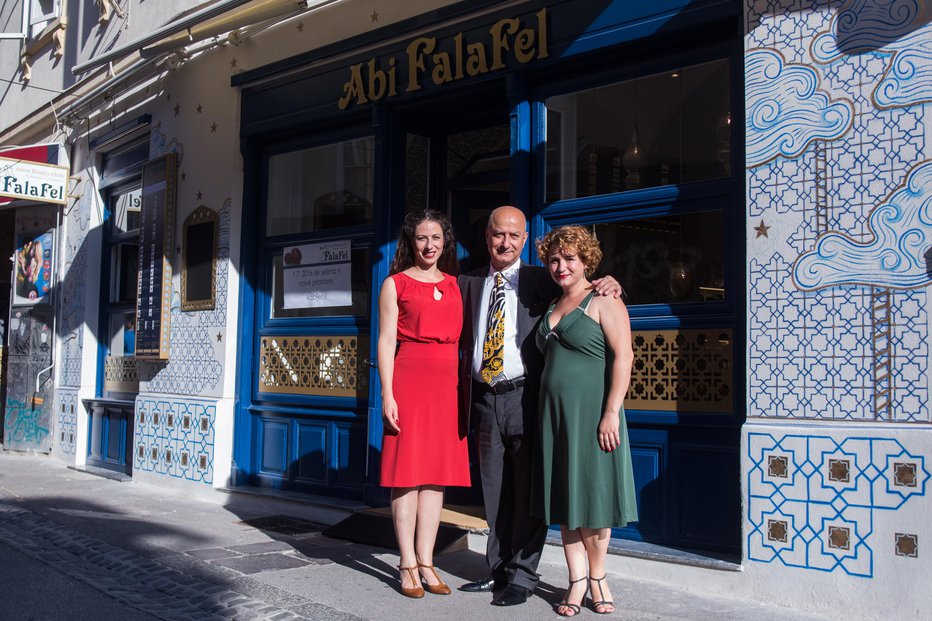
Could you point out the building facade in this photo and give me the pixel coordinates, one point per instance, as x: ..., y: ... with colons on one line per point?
x: 757, y: 173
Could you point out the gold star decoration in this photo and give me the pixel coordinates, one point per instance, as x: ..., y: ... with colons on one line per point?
x: 374, y: 17
x: 839, y: 470
x: 213, y: 128
x: 904, y: 474
x: 300, y: 26
x: 199, y: 195
x: 776, y: 530
x: 177, y: 109
x: 761, y: 230
x: 907, y: 545
x: 200, y: 108
x: 219, y: 337
x: 233, y: 63
x: 839, y: 537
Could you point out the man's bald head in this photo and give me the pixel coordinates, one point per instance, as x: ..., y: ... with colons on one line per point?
x: 505, y: 235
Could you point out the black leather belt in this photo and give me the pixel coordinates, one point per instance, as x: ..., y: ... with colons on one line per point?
x: 503, y: 386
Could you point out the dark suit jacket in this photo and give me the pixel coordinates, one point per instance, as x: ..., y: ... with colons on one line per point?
x: 536, y: 290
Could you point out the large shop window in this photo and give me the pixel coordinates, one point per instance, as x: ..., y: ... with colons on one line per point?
x: 121, y: 177
x: 667, y: 128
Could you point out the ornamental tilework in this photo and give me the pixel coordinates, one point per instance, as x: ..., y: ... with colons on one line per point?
x: 195, y: 366
x: 819, y: 513
x: 74, y: 285
x: 175, y: 438
x: 66, y: 414
x: 836, y: 131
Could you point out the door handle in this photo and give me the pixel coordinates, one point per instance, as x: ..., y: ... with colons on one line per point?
x: 370, y: 364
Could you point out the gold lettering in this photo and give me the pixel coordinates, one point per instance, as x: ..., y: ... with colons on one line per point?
x: 442, y: 71
x: 416, y: 51
x: 392, y: 70
x: 458, y: 42
x: 499, y: 33
x: 354, y: 87
x: 475, y: 62
x: 377, y: 81
x: 524, y: 46
x: 542, y: 34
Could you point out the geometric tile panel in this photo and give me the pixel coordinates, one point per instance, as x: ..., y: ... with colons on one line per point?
x: 816, y: 509
x: 195, y: 364
x: 684, y: 370
x: 175, y: 438
x: 847, y: 351
x: 66, y: 408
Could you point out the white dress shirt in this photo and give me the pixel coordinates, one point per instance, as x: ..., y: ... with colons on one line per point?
x: 514, y: 367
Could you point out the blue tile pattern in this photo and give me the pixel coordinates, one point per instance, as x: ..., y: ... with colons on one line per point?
x: 66, y: 414
x: 175, y: 438
x: 851, y: 212
x: 195, y: 365
x: 812, y: 500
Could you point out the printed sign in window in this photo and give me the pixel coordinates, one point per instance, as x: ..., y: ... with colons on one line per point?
x: 317, y: 275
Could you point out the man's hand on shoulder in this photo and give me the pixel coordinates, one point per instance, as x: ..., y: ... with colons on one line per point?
x: 607, y: 286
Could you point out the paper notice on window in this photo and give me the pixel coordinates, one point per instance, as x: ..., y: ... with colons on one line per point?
x: 317, y: 275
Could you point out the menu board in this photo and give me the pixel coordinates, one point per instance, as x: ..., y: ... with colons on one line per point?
x: 156, y: 239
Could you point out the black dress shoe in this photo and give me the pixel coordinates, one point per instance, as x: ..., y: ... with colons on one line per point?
x: 511, y: 596
x: 482, y: 585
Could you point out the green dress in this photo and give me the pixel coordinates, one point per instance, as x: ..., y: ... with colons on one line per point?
x: 576, y: 484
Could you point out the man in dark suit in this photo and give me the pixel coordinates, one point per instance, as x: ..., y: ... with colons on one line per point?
x: 500, y: 397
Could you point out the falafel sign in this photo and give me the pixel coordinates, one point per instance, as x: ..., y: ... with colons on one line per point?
x: 45, y: 183
x: 317, y: 275
x: 431, y: 60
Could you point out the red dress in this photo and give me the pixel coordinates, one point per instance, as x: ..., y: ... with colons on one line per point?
x: 429, y: 449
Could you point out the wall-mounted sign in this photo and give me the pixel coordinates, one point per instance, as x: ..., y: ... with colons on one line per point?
x: 21, y: 179
x: 447, y: 60
x: 156, y: 238
x: 34, y: 257
x: 317, y: 275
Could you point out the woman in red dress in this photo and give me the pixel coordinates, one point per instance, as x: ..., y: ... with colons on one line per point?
x: 420, y: 317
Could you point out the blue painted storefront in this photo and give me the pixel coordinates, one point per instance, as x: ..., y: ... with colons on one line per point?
x: 686, y: 462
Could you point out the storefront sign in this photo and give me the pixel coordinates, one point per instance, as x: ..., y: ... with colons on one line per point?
x: 44, y: 183
x: 156, y: 237
x: 447, y: 60
x: 317, y: 275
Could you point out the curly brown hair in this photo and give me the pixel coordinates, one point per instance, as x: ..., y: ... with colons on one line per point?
x: 571, y: 239
x: 404, y: 251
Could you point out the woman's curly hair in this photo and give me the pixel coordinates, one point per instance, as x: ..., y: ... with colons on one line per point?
x: 404, y: 252
x: 571, y: 239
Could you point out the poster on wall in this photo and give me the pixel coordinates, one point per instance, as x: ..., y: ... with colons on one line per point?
x: 317, y: 275
x: 34, y: 258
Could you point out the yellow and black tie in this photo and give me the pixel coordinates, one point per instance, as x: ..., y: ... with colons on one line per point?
x: 493, y: 348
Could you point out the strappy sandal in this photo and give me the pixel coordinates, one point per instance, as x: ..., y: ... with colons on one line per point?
x: 415, y: 591
x: 437, y: 589
x: 573, y: 607
x: 601, y: 601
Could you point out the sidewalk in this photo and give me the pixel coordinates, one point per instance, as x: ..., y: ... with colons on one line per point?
x: 173, y: 557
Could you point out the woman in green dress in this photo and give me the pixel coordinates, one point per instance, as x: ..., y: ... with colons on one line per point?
x: 583, y: 475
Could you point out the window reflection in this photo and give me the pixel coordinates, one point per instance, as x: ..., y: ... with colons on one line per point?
x: 665, y: 260
x: 667, y: 128
x: 322, y: 187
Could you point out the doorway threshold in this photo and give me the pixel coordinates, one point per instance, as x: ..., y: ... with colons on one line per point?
x: 664, y: 554
x: 113, y: 475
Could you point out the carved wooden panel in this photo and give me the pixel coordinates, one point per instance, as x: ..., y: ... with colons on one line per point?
x: 314, y: 365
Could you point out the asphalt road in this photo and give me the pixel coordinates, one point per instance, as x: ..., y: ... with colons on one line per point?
x: 30, y: 590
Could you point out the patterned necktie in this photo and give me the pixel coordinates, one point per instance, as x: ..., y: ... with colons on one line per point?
x: 493, y: 347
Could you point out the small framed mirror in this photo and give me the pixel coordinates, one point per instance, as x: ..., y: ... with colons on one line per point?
x: 199, y: 259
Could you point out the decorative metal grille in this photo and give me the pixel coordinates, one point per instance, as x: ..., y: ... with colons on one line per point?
x: 121, y: 374
x: 682, y: 370
x: 313, y: 365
